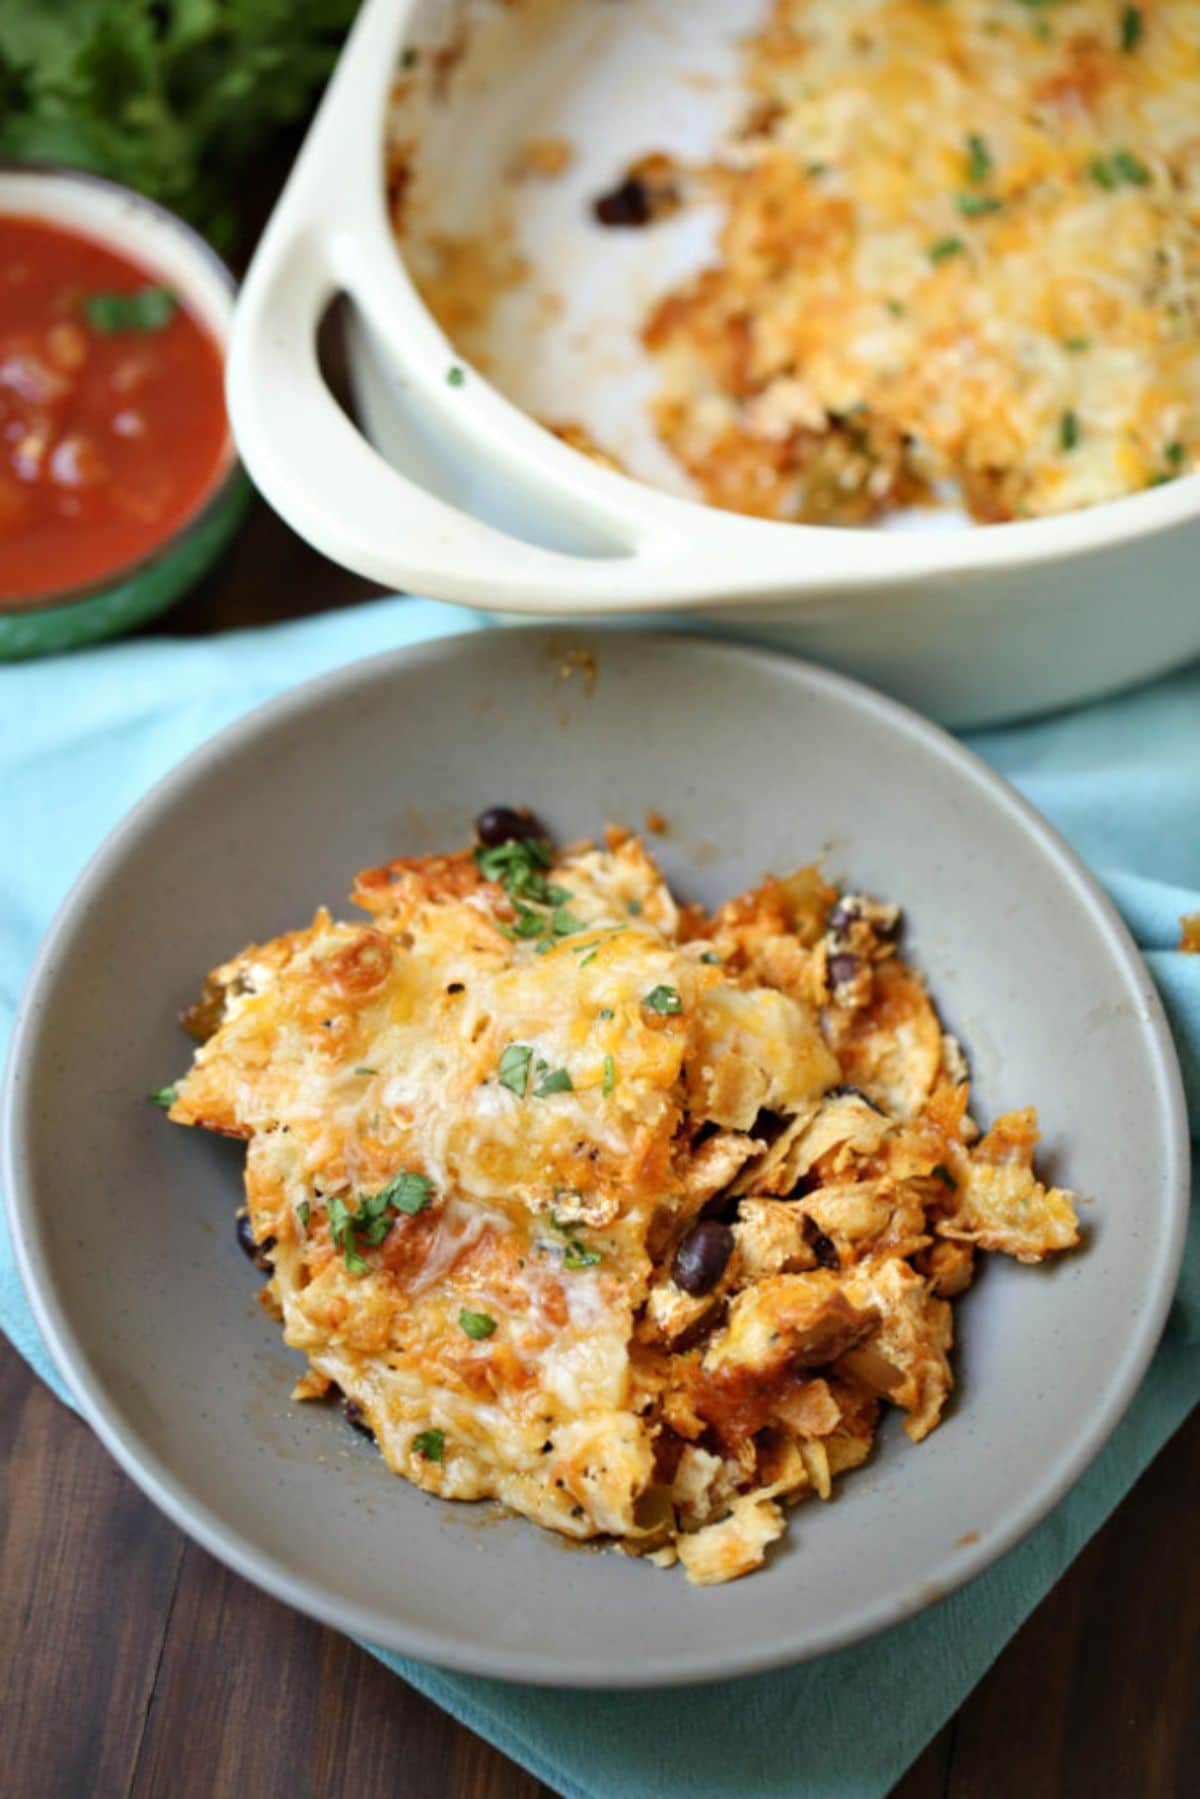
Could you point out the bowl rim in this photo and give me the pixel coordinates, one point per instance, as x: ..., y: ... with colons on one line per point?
x: 308, y: 1593
x: 230, y: 475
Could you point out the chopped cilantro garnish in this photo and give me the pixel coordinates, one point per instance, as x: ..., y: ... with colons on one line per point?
x: 431, y: 1444
x: 1109, y: 171
x: 544, y: 947
x: 711, y: 957
x: 662, y: 1000
x: 610, y: 1076
x: 409, y: 59
x: 1173, y: 456
x: 976, y: 206
x: 454, y: 376
x: 365, y: 1070
x: 1077, y: 345
x: 366, y: 1228
x: 519, y: 865
x: 147, y: 309
x: 940, y: 1172
x: 979, y: 159
x: 341, y: 1229
x: 895, y: 308
x: 165, y: 1096
x: 555, y: 1080
x: 1131, y: 168
x: 590, y: 957
x: 575, y: 1255
x: 409, y: 1193
x: 1132, y: 27
x: 514, y: 1068
x: 302, y: 1211
x: 944, y: 248
x: 516, y: 864
x: 529, y: 923
x: 606, y: 1012
x: 477, y: 1324
x: 373, y: 1220
x: 634, y: 908
x: 1068, y: 430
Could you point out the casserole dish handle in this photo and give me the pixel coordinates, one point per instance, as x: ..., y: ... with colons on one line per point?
x: 336, y: 490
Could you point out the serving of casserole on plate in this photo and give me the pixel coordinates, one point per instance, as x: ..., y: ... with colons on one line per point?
x: 623, y: 1214
x: 122, y: 1223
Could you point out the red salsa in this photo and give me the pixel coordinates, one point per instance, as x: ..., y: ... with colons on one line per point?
x: 112, y: 419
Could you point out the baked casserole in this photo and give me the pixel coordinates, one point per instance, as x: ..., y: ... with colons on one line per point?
x: 959, y: 256
x: 630, y: 1217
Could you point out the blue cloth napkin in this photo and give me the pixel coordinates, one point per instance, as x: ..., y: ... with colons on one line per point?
x: 82, y: 737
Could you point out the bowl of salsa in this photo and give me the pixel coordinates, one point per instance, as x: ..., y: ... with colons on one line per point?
x: 119, y: 483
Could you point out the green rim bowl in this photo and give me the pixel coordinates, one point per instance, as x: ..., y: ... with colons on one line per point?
x: 140, y: 590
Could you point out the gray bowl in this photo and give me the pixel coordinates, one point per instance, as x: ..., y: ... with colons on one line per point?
x: 123, y: 1225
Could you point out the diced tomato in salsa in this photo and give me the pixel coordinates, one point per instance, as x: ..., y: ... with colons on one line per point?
x: 112, y: 421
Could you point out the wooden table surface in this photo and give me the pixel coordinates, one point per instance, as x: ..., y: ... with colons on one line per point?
x: 132, y: 1663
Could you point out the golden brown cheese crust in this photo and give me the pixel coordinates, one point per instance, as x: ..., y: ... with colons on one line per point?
x: 960, y: 244
x: 479, y: 1127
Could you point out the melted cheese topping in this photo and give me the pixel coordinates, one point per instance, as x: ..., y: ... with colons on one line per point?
x: 480, y: 1126
x: 961, y: 246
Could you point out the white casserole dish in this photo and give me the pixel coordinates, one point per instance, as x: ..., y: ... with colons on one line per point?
x: 467, y: 498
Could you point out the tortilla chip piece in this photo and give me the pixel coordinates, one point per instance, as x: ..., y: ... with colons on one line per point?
x: 769, y: 1238
x: 892, y: 1049
x: 796, y: 1320
x: 1000, y: 1203
x: 906, y: 1358
x: 735, y: 1546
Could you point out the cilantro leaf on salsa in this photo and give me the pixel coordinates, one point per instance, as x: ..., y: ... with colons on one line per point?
x: 144, y: 310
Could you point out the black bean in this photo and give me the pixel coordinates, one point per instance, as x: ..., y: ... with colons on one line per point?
x: 825, y: 1250
x: 843, y: 969
x: 627, y: 204
x: 848, y: 911
x: 358, y: 1418
x: 699, y: 1261
x: 501, y: 824
x: 844, y: 914
x: 248, y: 1243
